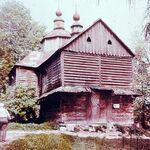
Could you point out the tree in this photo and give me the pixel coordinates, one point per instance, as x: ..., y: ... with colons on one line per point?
x: 6, y: 62
x: 142, y: 82
x: 18, y: 31
x: 22, y: 105
x: 19, y: 35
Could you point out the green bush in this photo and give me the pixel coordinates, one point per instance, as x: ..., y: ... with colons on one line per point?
x: 32, y: 126
x: 41, y: 142
x: 22, y: 105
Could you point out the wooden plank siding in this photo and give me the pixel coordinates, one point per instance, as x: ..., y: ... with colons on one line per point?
x: 123, y: 114
x: 26, y: 77
x: 81, y: 69
x: 73, y: 107
x: 65, y: 107
x: 51, y: 75
x: 99, y: 35
x: 116, y: 71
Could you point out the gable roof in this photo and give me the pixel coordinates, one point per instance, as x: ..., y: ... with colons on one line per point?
x: 34, y: 59
x: 43, y: 57
x: 108, y: 28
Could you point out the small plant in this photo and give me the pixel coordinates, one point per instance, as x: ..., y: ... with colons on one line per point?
x: 33, y: 126
x: 41, y: 142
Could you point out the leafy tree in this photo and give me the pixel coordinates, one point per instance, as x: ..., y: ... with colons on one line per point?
x: 6, y: 62
x: 147, y: 22
x: 142, y: 77
x: 19, y: 35
x: 142, y: 82
x: 22, y: 104
x: 18, y: 31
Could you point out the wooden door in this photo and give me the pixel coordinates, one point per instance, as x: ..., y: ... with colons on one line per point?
x: 95, y: 109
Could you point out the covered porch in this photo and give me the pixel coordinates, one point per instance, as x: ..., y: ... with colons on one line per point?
x: 81, y: 105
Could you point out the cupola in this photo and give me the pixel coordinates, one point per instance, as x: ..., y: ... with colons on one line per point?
x: 58, y: 22
x: 76, y: 27
x: 58, y: 36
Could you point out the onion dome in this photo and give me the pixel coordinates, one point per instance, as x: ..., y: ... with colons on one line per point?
x: 59, y: 30
x: 58, y: 13
x: 76, y: 27
x: 76, y: 17
x: 58, y: 22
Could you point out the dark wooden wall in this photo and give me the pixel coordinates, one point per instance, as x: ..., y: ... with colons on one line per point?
x: 124, y: 114
x: 26, y: 77
x: 95, y: 107
x: 116, y: 71
x: 81, y: 69
x: 73, y: 107
x: 50, y: 75
x: 65, y: 107
x: 102, y: 109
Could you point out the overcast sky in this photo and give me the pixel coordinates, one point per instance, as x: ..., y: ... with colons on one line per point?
x: 122, y: 18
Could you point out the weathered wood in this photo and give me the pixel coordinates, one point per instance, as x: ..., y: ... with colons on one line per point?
x: 116, y: 71
x: 52, y: 75
x: 99, y: 34
x: 81, y: 70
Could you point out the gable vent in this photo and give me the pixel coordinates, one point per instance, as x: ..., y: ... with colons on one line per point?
x: 109, y: 42
x: 88, y: 39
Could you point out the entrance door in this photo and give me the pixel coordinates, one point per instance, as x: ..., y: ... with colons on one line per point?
x: 95, y: 109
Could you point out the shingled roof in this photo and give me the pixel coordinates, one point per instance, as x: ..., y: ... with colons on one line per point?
x: 36, y: 58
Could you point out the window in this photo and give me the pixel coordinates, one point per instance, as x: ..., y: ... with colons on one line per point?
x: 88, y: 39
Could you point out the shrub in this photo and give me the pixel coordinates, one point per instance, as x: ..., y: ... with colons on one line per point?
x: 32, y: 126
x: 41, y: 142
x: 23, y: 105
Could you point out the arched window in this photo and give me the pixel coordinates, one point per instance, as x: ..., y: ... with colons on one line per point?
x: 88, y: 39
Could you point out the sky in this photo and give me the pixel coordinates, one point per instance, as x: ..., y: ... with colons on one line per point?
x: 124, y: 19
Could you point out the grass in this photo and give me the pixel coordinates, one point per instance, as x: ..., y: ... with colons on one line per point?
x: 32, y: 126
x: 68, y: 142
x: 91, y: 143
x: 40, y: 142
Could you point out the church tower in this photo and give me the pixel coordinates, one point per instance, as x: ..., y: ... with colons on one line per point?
x: 58, y: 37
x: 76, y: 27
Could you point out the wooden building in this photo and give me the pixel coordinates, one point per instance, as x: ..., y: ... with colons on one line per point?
x: 82, y: 77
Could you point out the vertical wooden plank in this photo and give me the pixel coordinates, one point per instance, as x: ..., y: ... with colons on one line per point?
x: 17, y: 69
x: 132, y: 76
x: 100, y: 70
x: 103, y: 107
x: 95, y: 107
x: 62, y: 67
x: 99, y: 35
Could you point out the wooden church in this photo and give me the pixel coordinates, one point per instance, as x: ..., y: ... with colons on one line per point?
x: 80, y: 77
